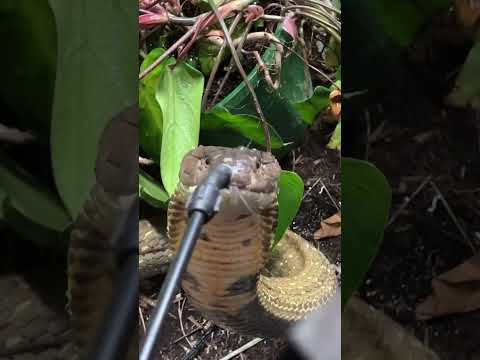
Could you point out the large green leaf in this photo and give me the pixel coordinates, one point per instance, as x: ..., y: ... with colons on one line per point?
x: 393, y: 14
x: 217, y: 123
x: 151, y: 191
x: 467, y: 86
x: 335, y: 142
x: 366, y: 197
x: 310, y: 108
x: 30, y: 198
x: 151, y: 121
x: 179, y: 94
x: 376, y: 56
x: 27, y: 63
x: 33, y: 231
x: 289, y: 200
x: 97, y: 69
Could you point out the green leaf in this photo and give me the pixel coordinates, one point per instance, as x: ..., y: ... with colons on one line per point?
x: 207, y: 53
x: 31, y: 199
x: 335, y: 142
x: 97, y: 70
x: 289, y: 200
x: 179, y: 94
x: 310, y: 108
x: 333, y: 53
x: 295, y: 86
x: 221, y: 120
x: 151, y: 121
x: 467, y: 85
x: 35, y: 232
x: 151, y: 191
x: 27, y: 68
x: 393, y: 14
x: 366, y: 201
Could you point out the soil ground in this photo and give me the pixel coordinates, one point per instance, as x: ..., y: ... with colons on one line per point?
x: 33, y: 320
x: 320, y: 171
x: 424, y: 241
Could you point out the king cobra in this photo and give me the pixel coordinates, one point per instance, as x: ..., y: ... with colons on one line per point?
x: 92, y: 268
x: 233, y: 278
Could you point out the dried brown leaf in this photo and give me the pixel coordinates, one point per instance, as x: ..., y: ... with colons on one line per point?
x: 329, y: 227
x: 336, y: 104
x: 455, y: 291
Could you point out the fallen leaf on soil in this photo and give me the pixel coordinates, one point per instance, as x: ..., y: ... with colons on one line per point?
x: 336, y: 104
x: 455, y: 291
x: 329, y: 227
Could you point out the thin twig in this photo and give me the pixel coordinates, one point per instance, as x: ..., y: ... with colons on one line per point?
x: 405, y: 204
x: 232, y: 63
x: 305, y: 61
x: 319, y: 180
x: 167, y: 53
x: 200, y: 344
x: 180, y: 311
x: 242, y: 349
x: 15, y: 136
x: 330, y: 196
x: 145, y: 161
x: 453, y: 217
x: 142, y: 320
x: 191, y: 332
x: 218, y: 61
x: 258, y: 108
x: 325, y: 5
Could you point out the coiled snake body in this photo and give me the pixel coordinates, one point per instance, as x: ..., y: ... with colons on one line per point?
x: 233, y: 278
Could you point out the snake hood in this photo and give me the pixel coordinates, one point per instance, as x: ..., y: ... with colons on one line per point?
x: 252, y: 170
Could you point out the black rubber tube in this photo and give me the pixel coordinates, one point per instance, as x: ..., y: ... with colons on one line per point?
x: 122, y: 318
x: 170, y: 283
x: 201, y: 207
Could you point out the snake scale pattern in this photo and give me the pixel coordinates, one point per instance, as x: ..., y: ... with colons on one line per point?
x: 91, y: 258
x: 232, y: 278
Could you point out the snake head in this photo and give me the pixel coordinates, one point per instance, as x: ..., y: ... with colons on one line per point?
x: 252, y: 170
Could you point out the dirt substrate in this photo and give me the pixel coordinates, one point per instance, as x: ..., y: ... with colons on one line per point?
x: 424, y: 241
x: 320, y: 171
x: 33, y: 320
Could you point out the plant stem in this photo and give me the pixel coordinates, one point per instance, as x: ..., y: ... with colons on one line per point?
x: 218, y: 60
x: 258, y: 108
x: 167, y: 53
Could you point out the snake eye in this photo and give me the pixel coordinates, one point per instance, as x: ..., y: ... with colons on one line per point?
x: 207, y: 161
x: 257, y: 164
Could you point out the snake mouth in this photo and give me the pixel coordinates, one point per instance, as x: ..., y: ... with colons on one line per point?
x: 252, y: 170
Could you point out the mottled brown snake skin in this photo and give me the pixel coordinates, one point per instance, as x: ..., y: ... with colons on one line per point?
x: 91, y: 259
x: 232, y: 278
